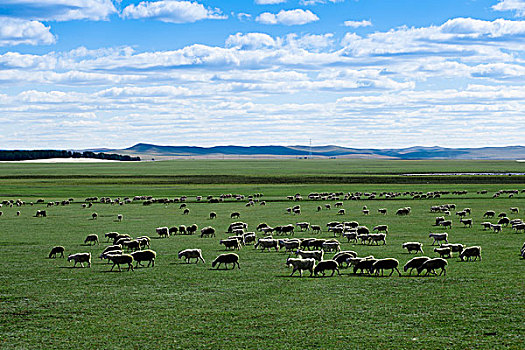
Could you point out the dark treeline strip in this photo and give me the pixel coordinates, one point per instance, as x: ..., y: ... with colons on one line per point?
x: 46, y: 154
x: 241, y: 179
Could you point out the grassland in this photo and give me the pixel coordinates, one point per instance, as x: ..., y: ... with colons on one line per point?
x: 44, y: 303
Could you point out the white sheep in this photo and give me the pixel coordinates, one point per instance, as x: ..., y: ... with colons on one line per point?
x: 385, y: 264
x: 232, y: 243
x: 444, y: 252
x: 191, y: 254
x: 470, y: 252
x: 433, y: 264
x: 163, y: 231
x: 91, y: 238
x: 120, y: 217
x: 80, y: 258
x: 331, y: 245
x: 438, y: 237
x: 324, y: 265
x: 57, y: 250
x: 120, y: 260
x: 376, y: 238
x: 413, y: 246
x: 229, y: 258
x: 144, y: 255
x: 415, y: 263
x: 301, y: 265
x: 267, y: 244
x: 314, y: 254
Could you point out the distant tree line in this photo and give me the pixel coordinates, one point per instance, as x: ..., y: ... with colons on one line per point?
x: 46, y: 154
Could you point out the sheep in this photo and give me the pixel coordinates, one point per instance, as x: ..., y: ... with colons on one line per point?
x: 235, y: 215
x: 107, y: 255
x: 413, y: 246
x: 341, y: 212
x: 381, y: 228
x: 470, y: 252
x: 316, y: 228
x: 57, y: 250
x: 319, y: 208
x: 144, y: 255
x: 118, y: 260
x: 110, y: 248
x: 91, y: 238
x: 207, y: 232
x: 376, y: 238
x: 403, y: 211
x: 182, y: 229
x: 350, y: 236
x: 213, y: 215
x: 466, y: 222
x: 514, y: 210
x: 303, y: 226
x: 343, y: 257
x: 289, y: 244
x: 261, y: 226
x: 363, y: 264
x: 229, y: 258
x: 80, y: 258
x: 502, y: 214
x: 120, y: 217
x: 489, y: 214
x: 433, y: 264
x: 496, y: 228
x: 504, y: 221
x: 314, y: 254
x: 191, y: 254
x: 324, y: 265
x: 132, y: 245
x: 94, y: 216
x: 231, y: 243
x: 173, y: 230
x: 438, y: 237
x: 366, y: 211
x: 111, y: 235
x: 163, y: 231
x: 385, y: 264
x: 248, y: 238
x: 444, y: 252
x: 301, y: 265
x: 41, y: 213
x: 446, y: 223
x: 186, y: 212
x: 486, y: 225
x: 331, y: 245
x: 192, y: 229
x: 267, y: 244
x: 363, y: 238
x: 382, y: 211
x: 458, y: 248
x: 328, y: 206
x: 415, y: 263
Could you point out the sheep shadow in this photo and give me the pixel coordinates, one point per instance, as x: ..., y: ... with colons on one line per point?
x: 73, y: 267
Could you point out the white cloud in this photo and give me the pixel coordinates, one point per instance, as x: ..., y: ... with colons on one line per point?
x: 60, y: 10
x: 172, y: 11
x: 356, y: 24
x: 288, y: 17
x: 250, y: 41
x: 18, y: 31
x: 315, y: 2
x: 269, y: 2
x: 243, y: 16
x: 511, y: 5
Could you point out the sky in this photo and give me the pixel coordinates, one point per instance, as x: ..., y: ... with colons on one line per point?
x: 78, y: 74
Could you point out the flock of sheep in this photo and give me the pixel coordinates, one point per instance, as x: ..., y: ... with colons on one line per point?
x: 309, y: 252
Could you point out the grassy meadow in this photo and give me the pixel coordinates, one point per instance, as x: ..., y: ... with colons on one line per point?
x: 45, y: 303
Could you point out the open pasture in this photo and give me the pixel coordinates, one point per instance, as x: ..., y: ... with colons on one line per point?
x: 45, y: 303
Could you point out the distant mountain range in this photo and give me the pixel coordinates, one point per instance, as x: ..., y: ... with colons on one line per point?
x: 149, y: 151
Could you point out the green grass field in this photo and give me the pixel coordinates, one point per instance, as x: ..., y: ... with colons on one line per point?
x: 45, y: 303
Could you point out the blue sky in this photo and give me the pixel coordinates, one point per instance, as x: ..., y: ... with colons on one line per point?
x: 367, y: 73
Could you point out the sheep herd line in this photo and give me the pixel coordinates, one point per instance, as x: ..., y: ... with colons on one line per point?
x: 304, y: 253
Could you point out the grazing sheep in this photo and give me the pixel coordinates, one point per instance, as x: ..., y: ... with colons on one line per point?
x: 289, y: 244
x: 458, y: 248
x: 486, y: 225
x: 235, y: 215
x: 144, y: 255
x: 446, y: 223
x: 502, y: 214
x: 366, y: 211
x: 438, y: 237
x: 363, y: 264
x: 94, y: 216
x: 433, y: 264
x: 514, y: 210
x: 504, y: 221
x: 229, y: 258
x: 192, y: 229
x: 324, y: 265
x: 120, y: 238
x: 301, y: 265
x: 191, y: 254
x: 163, y: 231
x: 444, y: 252
x: 343, y: 257
x: 182, y: 229
x: 120, y: 217
x: 415, y: 263
x: 350, y: 236
x: 41, y: 213
x: 304, y: 226
x: 249, y: 238
x: 107, y: 255
x: 111, y: 235
x: 496, y: 228
x: 267, y: 244
x: 261, y: 226
x: 186, y: 211
x: 466, y: 222
x: 331, y: 245
x: 314, y: 254
x: 91, y: 238
x: 231, y: 243
x: 470, y: 252
x: 80, y: 258
x: 489, y: 214
x: 173, y: 230
x: 341, y: 212
x: 319, y: 208
x: 382, y: 211
x: 131, y: 245
x: 57, y: 250
x: 403, y: 211
x: 207, y: 232
x: 385, y: 264
x: 413, y: 246
x: 381, y: 228
x: 376, y: 238
x: 121, y: 260
x: 213, y: 215
x: 316, y: 228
